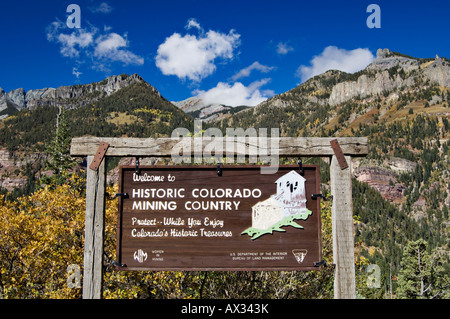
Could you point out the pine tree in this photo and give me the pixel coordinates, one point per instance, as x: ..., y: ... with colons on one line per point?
x: 58, y: 151
x: 422, y: 275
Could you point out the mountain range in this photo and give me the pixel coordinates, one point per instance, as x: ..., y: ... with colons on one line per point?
x: 376, y: 79
x: 68, y: 96
x: 401, y: 103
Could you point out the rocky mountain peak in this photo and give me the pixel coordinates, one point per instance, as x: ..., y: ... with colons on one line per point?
x: 383, y: 53
x: 207, y: 112
x: 387, y: 59
x: 69, y: 96
x: 117, y: 82
x: 379, y: 77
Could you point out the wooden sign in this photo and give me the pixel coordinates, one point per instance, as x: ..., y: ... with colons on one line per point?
x: 196, y: 218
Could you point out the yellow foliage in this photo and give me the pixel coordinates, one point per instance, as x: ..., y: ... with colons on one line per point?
x: 40, y: 235
x: 155, y: 112
x: 43, y: 233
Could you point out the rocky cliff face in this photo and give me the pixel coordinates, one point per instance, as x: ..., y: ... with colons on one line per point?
x: 68, y: 96
x: 383, y: 177
x: 377, y: 80
x: 365, y: 86
x: 383, y: 180
x: 9, y: 164
x: 4, y: 158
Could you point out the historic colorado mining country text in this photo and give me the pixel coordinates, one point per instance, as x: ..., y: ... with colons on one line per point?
x: 190, y: 218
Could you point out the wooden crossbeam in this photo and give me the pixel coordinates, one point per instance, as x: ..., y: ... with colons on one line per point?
x: 284, y: 146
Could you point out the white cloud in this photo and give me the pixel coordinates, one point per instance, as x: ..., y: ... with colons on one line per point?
x: 333, y: 58
x: 85, y: 44
x: 101, y: 8
x: 71, y: 44
x: 109, y: 42
x: 193, y: 57
x: 112, y: 48
x: 284, y: 48
x: 254, y: 66
x: 236, y: 94
x: 76, y: 72
x: 193, y: 23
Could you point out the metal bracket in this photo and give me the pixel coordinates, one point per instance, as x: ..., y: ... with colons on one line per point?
x: 300, y: 167
x: 219, y: 170
x: 115, y: 263
x: 123, y: 195
x: 99, y: 155
x: 320, y: 263
x: 137, y: 166
x: 315, y: 196
x: 339, y: 154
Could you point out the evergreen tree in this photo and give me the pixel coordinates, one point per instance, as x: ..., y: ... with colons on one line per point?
x: 58, y: 151
x: 422, y: 275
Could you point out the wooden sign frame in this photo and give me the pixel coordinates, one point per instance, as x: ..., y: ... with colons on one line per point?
x: 204, y: 229
x: 340, y: 179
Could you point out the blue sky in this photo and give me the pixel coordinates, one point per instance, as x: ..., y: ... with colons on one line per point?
x: 238, y: 52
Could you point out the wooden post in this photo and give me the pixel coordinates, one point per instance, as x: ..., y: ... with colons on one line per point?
x: 94, y: 231
x: 342, y: 224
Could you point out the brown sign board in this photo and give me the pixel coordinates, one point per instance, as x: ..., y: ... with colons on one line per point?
x: 192, y: 218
